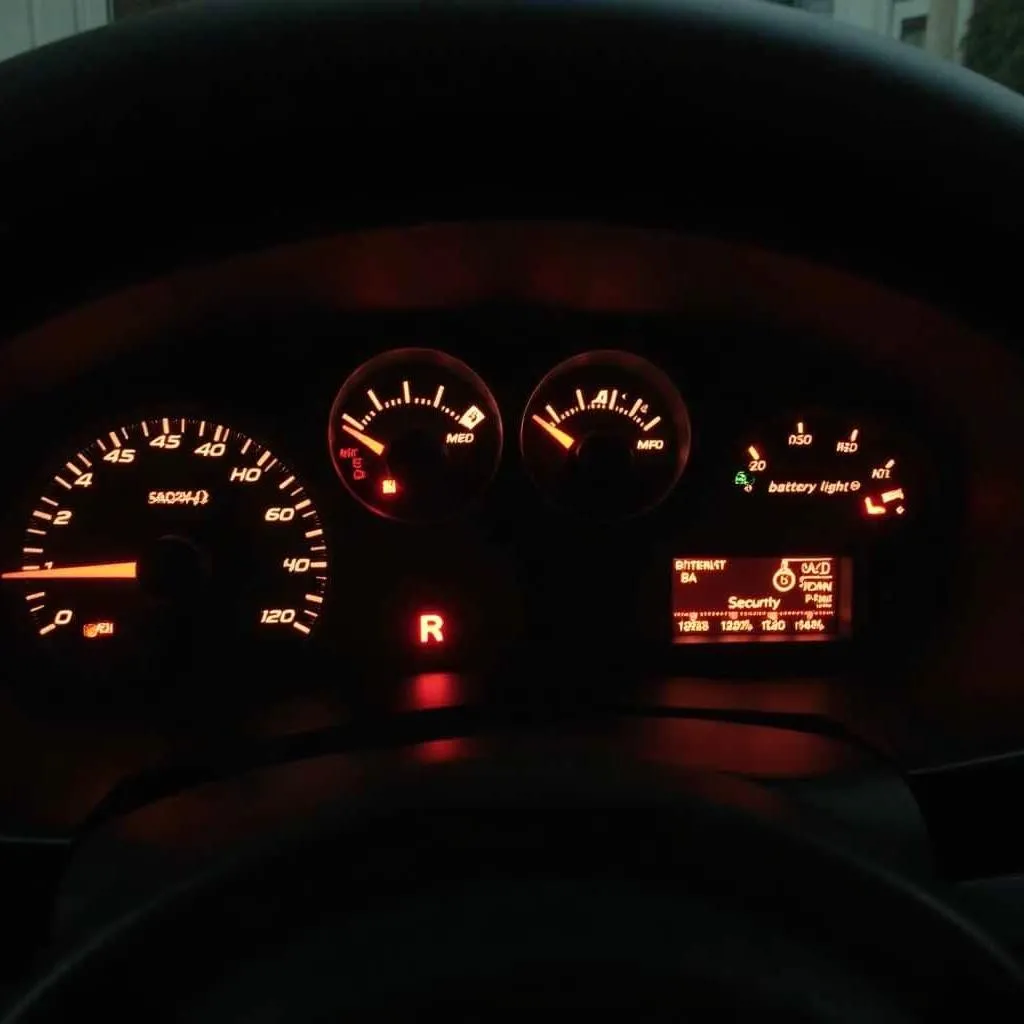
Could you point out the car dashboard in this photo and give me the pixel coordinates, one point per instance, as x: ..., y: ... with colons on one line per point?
x: 559, y: 462
x: 369, y: 460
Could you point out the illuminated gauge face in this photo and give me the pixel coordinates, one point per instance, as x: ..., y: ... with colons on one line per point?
x: 415, y: 435
x: 168, y: 537
x: 810, y: 463
x: 606, y: 434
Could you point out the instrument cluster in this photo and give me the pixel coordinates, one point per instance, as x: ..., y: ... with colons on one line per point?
x: 608, y: 506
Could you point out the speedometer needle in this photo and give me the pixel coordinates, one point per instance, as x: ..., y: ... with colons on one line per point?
x: 374, y: 445
x: 559, y: 435
x: 104, y: 571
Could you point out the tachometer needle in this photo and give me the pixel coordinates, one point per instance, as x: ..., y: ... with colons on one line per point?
x: 104, y: 571
x: 559, y: 435
x: 375, y: 446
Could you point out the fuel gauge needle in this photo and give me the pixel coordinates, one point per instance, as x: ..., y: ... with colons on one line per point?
x: 375, y: 446
x: 559, y: 435
x: 103, y: 571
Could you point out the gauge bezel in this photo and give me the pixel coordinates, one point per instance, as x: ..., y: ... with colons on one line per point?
x: 666, y: 392
x: 841, y: 514
x: 136, y: 425
x: 449, y: 364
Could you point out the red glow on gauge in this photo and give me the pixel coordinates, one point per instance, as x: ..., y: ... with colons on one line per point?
x: 745, y: 749
x: 388, y: 486
x: 430, y: 690
x: 439, y: 751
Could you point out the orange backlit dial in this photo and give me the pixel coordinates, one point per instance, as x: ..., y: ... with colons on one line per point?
x: 415, y: 435
x: 810, y: 463
x: 166, y: 538
x: 606, y: 434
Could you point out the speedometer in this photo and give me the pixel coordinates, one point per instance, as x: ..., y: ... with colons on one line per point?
x: 167, y: 537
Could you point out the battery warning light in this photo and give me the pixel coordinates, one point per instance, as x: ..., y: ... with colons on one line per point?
x: 94, y: 630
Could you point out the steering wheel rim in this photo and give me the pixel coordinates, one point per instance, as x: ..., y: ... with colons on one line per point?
x: 486, y: 837
x: 363, y: 114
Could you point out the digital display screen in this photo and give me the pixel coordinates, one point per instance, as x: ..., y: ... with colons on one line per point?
x: 754, y: 600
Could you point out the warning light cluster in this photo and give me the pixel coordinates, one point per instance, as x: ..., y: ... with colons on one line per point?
x: 824, y: 461
x: 793, y: 598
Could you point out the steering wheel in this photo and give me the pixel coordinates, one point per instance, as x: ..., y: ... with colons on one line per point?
x: 511, y: 881
x: 500, y: 884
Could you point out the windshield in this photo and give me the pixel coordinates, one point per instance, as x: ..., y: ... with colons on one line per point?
x: 985, y: 35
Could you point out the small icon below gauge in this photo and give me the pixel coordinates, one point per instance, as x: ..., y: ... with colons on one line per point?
x: 606, y: 434
x: 415, y: 435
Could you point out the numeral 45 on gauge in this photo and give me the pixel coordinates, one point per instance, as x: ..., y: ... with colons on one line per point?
x: 122, y: 455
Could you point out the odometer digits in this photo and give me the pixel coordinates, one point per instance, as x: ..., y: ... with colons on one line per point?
x: 794, y: 598
x: 167, y: 538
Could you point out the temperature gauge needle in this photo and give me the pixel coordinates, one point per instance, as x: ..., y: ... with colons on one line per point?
x: 375, y: 446
x: 559, y: 435
x: 104, y: 571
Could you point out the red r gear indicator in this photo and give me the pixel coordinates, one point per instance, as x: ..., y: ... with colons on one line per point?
x: 430, y: 629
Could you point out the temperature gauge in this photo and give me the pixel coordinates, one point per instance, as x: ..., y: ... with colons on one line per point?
x: 415, y: 435
x: 606, y: 434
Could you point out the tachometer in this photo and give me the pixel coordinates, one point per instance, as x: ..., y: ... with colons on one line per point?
x: 166, y: 537
x: 415, y: 435
x: 606, y: 434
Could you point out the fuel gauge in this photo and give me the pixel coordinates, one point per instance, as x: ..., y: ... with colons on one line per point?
x: 415, y: 435
x: 606, y: 434
x: 832, y: 464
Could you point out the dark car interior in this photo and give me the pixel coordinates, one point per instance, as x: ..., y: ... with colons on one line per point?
x: 509, y: 506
